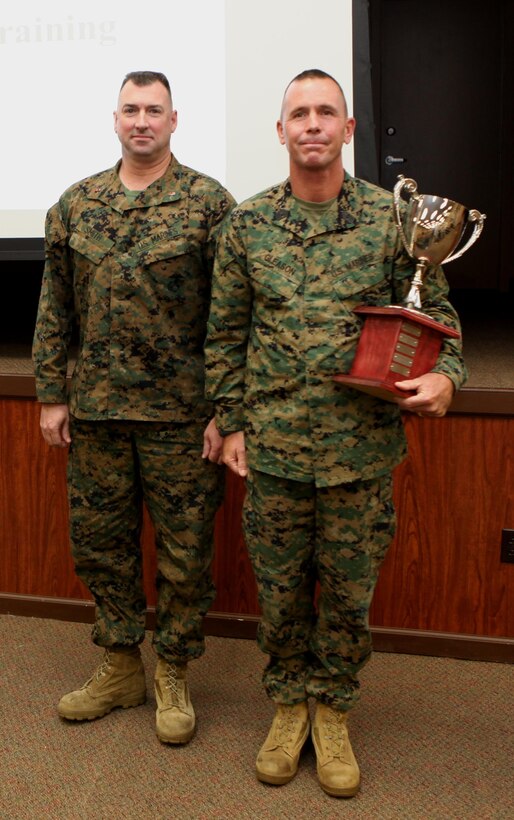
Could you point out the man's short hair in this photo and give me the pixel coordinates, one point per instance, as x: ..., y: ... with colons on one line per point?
x: 316, y: 74
x: 147, y: 78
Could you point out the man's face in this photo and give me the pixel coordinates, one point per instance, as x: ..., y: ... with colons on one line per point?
x: 314, y: 124
x: 144, y: 121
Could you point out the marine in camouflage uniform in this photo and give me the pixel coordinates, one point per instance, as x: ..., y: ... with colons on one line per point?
x: 133, y: 269
x: 318, y: 507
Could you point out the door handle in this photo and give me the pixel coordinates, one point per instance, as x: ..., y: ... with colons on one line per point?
x: 389, y: 160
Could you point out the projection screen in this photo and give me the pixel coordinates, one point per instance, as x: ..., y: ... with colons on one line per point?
x: 228, y: 62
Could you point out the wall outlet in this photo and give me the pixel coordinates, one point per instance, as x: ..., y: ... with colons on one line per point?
x: 507, y: 548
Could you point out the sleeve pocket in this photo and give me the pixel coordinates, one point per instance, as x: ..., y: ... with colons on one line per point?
x: 55, y: 232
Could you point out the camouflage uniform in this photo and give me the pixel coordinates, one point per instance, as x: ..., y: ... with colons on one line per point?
x: 281, y: 325
x: 135, y: 273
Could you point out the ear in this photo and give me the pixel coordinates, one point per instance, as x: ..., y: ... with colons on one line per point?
x: 280, y: 132
x: 174, y: 121
x: 115, y: 121
x: 349, y: 129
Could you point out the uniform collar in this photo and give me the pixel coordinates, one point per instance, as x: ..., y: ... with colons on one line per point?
x: 288, y: 216
x: 167, y: 188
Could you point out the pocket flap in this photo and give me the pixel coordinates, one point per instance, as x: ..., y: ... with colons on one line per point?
x: 93, y: 249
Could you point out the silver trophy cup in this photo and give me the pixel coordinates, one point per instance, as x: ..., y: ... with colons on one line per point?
x: 431, y: 228
x: 400, y: 342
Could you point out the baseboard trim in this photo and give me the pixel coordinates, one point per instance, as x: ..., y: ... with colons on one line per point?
x: 58, y: 609
x: 233, y: 625
x: 443, y: 644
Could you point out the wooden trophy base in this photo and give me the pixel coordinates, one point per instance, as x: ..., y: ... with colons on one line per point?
x: 396, y: 343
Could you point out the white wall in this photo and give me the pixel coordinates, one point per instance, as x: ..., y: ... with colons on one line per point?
x: 268, y: 43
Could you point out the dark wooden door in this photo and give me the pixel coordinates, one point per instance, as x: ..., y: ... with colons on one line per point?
x: 442, y: 97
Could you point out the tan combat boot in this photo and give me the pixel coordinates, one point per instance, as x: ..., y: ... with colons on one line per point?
x: 118, y: 681
x: 175, y: 716
x: 277, y: 761
x: 337, y: 768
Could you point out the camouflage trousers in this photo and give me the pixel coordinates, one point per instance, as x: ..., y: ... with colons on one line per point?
x: 317, y: 637
x: 112, y: 468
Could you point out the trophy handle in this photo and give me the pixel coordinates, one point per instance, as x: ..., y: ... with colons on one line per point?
x: 479, y: 219
x: 412, y: 188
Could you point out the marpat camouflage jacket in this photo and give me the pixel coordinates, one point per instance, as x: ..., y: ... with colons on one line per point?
x: 282, y: 324
x: 136, y: 276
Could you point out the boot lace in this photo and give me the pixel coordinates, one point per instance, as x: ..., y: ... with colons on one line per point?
x: 285, y: 727
x: 102, y: 670
x: 172, y: 685
x: 335, y: 735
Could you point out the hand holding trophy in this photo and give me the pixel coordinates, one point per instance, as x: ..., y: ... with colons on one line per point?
x: 401, y: 342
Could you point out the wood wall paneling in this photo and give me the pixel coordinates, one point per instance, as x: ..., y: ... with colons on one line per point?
x: 454, y: 495
x: 34, y: 551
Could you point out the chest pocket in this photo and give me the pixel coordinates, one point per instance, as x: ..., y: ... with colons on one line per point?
x: 274, y: 285
x: 169, y: 248
x: 368, y: 283
x: 92, y: 249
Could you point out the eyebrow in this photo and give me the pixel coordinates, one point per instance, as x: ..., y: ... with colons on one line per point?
x: 317, y: 107
x: 136, y: 105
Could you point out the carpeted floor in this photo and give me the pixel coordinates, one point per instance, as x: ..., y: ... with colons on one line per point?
x: 434, y: 738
